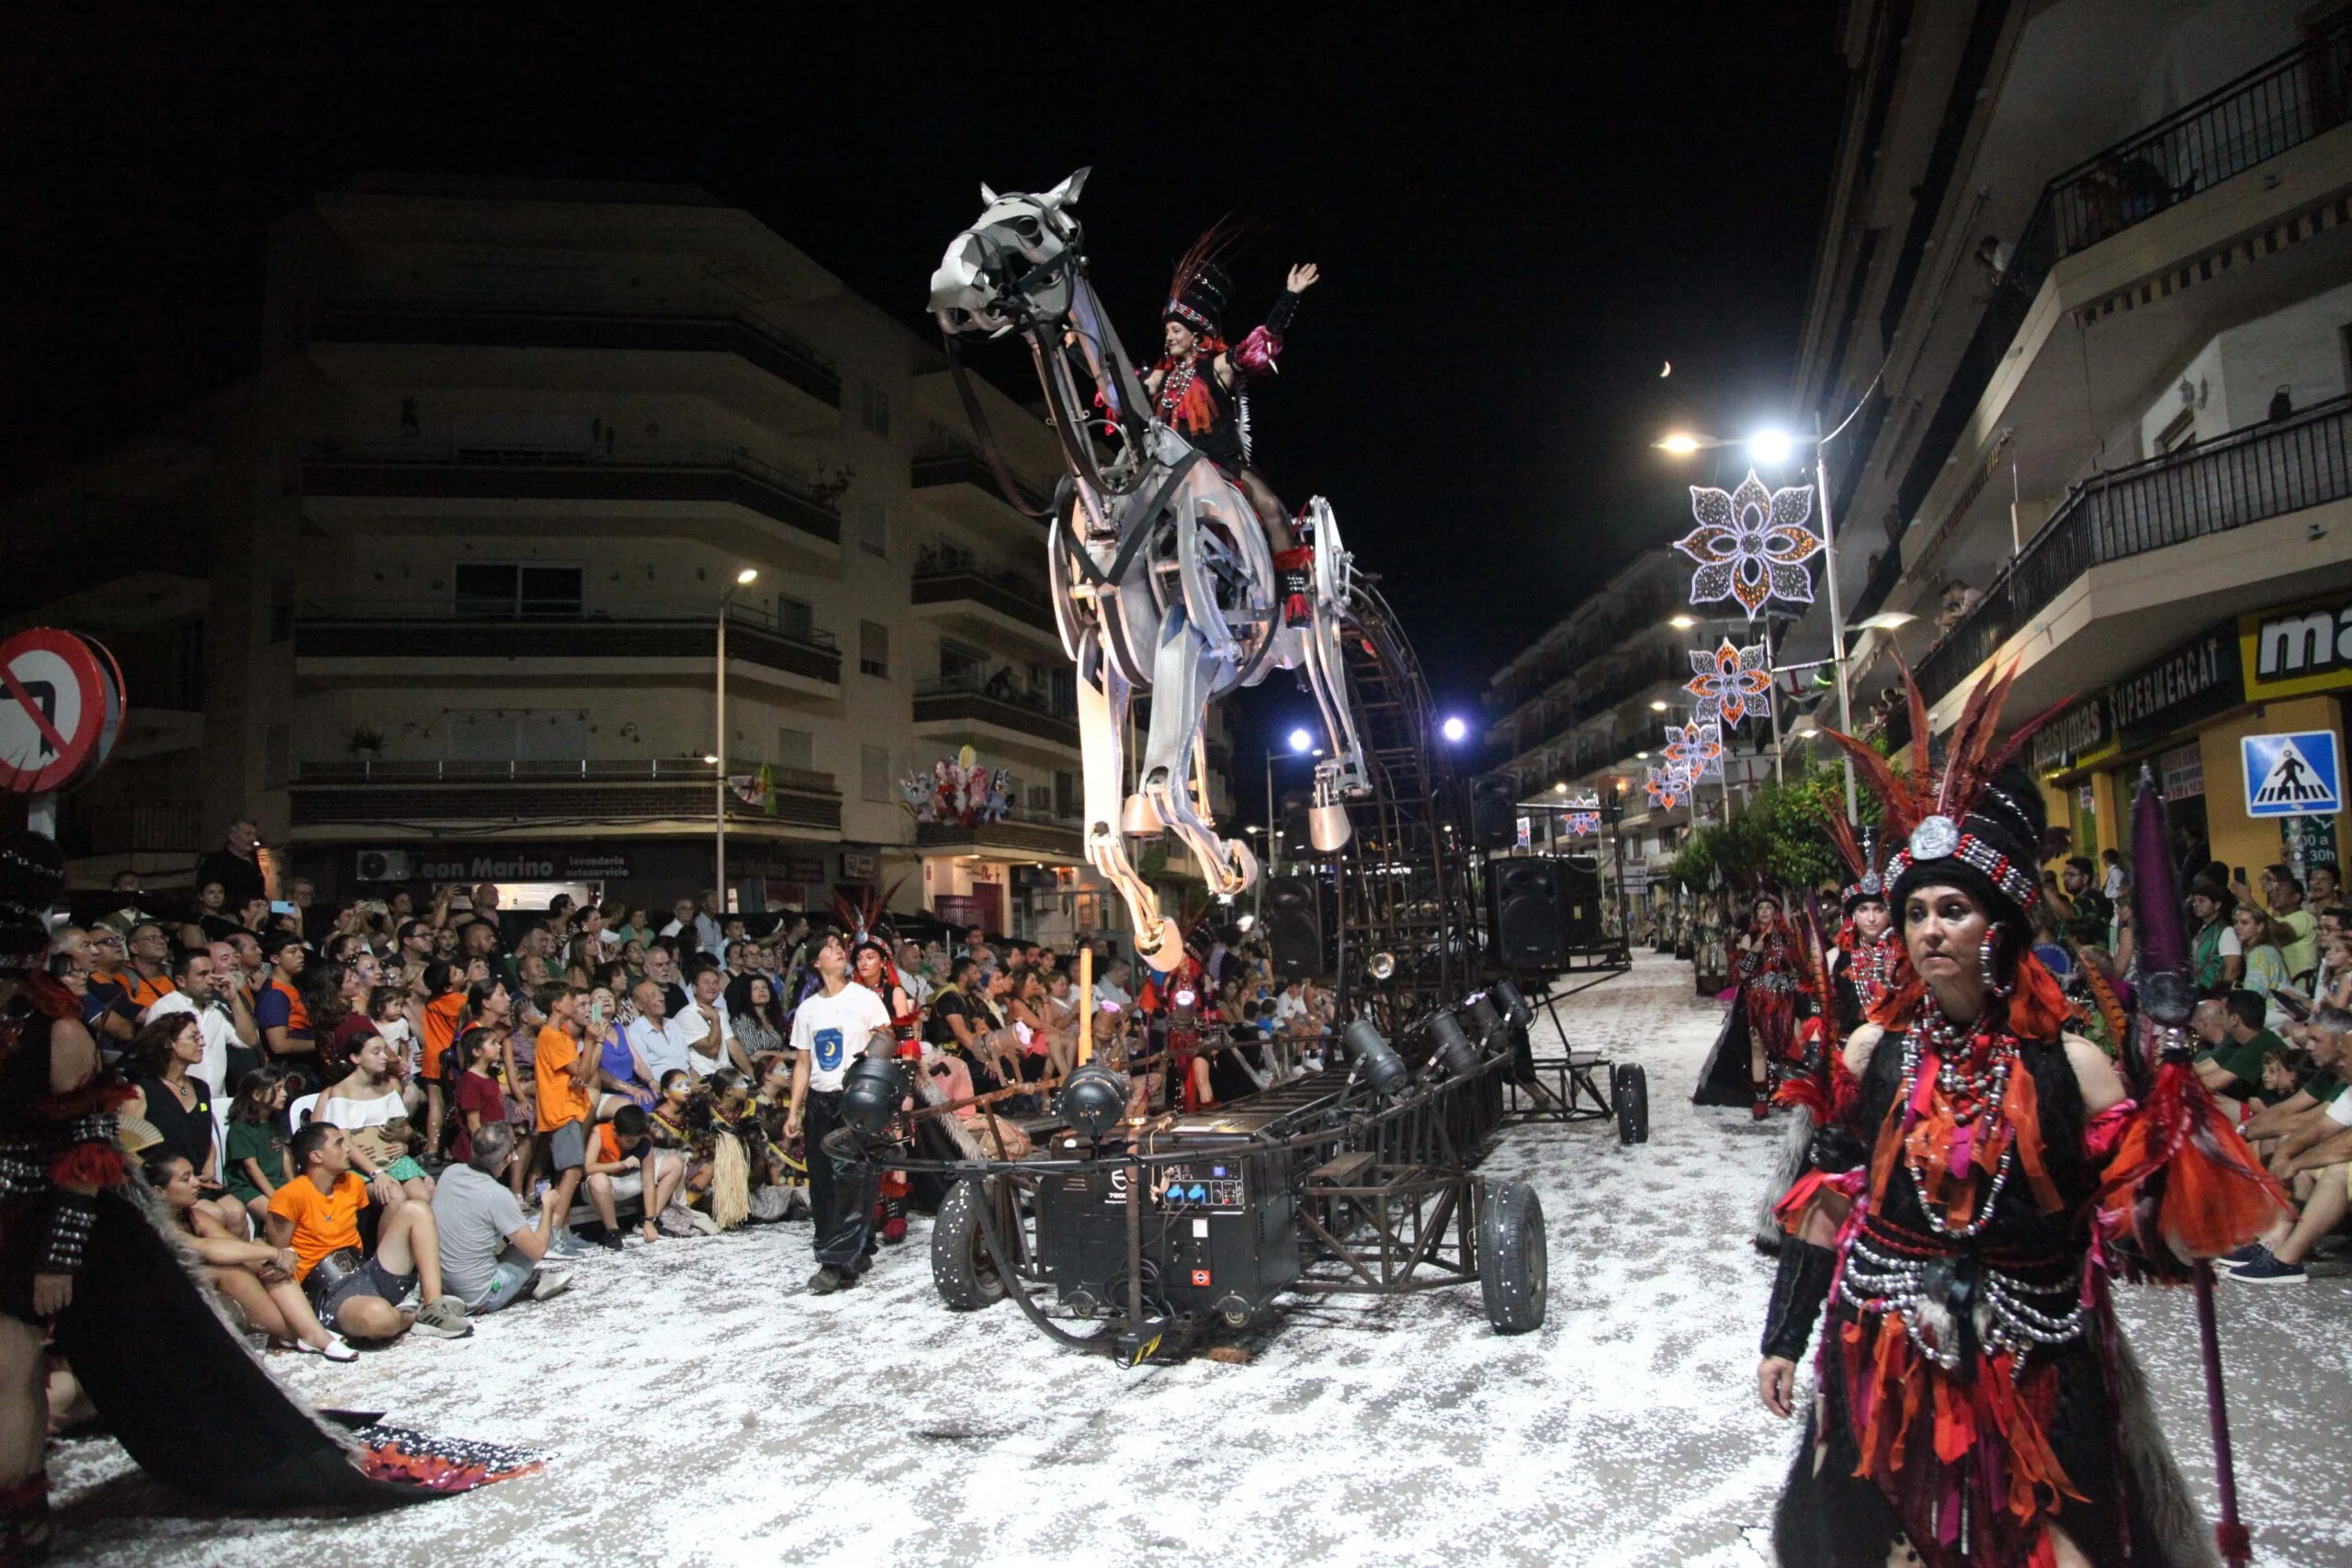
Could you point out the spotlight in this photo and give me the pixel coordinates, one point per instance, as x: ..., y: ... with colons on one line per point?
x: 1384, y: 1070
x: 1679, y: 444
x: 1454, y: 729
x: 1300, y: 739
x: 1681, y: 622
x: 1455, y: 1055
x: 1382, y: 966
x: 1771, y: 447
x: 871, y: 1091
x: 1488, y: 1023
x: 1092, y: 1100
x: 1513, y: 1002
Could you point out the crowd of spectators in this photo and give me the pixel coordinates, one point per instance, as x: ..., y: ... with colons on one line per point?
x: 384, y: 1119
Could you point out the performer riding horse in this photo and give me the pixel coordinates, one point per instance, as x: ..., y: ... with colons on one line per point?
x: 1163, y: 581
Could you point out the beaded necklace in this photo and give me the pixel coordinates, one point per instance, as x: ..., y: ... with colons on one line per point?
x: 1972, y: 1069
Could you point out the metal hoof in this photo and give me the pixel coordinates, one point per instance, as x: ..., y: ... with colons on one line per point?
x: 1141, y: 818
x: 1328, y: 828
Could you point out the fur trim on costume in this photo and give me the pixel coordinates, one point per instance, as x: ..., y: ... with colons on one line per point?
x: 2161, y: 1494
x: 1796, y: 1145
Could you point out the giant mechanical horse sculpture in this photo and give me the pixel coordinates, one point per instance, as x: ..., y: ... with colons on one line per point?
x: 1162, y: 581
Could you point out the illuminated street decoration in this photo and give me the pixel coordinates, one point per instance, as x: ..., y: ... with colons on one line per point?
x: 1696, y: 748
x: 1730, y: 683
x: 1583, y: 824
x: 1751, y: 544
x: 1667, y: 787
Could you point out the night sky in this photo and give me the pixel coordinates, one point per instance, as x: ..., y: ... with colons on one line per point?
x: 1519, y: 218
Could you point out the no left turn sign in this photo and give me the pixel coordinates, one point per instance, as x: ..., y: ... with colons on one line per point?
x: 60, y: 707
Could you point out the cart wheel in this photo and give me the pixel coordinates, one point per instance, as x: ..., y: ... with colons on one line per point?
x: 1513, y: 1274
x: 1629, y: 1096
x: 960, y: 1265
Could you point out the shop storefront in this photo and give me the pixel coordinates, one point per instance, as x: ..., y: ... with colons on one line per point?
x: 2268, y: 671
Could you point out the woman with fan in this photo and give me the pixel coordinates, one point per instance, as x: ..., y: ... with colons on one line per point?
x: 1976, y: 1402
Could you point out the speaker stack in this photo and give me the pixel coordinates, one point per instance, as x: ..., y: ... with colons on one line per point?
x: 1493, y: 811
x: 1525, y: 913
x: 1295, y: 927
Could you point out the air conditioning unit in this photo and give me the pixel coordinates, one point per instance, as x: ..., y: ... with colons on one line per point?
x: 383, y: 865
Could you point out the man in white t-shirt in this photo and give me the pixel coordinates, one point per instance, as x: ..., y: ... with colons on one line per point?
x: 829, y: 1030
x: 195, y: 991
x: 1110, y: 986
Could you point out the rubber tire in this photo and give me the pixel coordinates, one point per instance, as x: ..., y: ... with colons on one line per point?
x: 1514, y: 1270
x: 965, y: 1277
x: 1629, y: 1097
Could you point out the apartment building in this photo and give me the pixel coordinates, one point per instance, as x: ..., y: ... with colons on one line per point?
x: 2086, y: 277
x: 439, y: 591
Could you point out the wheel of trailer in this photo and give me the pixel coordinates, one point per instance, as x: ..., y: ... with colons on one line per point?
x: 960, y: 1264
x: 1513, y: 1271
x: 1629, y: 1097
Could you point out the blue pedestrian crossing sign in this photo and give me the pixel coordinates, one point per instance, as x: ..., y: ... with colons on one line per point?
x: 2297, y: 774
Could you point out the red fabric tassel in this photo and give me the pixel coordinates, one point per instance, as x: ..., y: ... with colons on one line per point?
x: 2183, y: 1182
x: 1256, y: 352
x: 90, y: 1164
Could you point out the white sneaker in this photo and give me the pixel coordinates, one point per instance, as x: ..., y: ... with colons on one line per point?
x: 549, y: 1283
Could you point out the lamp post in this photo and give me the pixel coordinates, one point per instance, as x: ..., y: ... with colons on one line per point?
x: 743, y: 579
x: 1302, y: 743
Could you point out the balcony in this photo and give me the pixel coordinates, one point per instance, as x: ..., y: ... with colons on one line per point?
x: 1046, y: 841
x: 953, y: 709
x: 957, y: 479
x: 687, y: 483
x: 331, y: 642
x: 1637, y: 673
x: 962, y: 595
x: 603, y: 792
x: 2269, y: 471
x: 2283, y: 104
x: 473, y: 323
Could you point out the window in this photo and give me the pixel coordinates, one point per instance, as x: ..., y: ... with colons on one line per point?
x: 1065, y: 793
x: 2180, y: 433
x: 795, y: 619
x: 511, y: 734
x: 870, y: 523
x: 873, y: 773
x: 796, y: 748
x: 276, y: 756
x: 961, y: 666
x: 874, y: 408
x: 1041, y: 799
x: 488, y: 592
x: 873, y: 648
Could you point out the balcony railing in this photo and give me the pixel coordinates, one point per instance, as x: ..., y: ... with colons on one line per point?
x: 474, y: 321
x: 328, y: 631
x: 1640, y: 672
x: 119, y: 827
x: 1006, y: 595
x: 639, y: 473
x: 1030, y: 712
x: 2272, y: 108
x: 2266, y: 471
x: 942, y: 463
x: 522, y: 792
x: 1054, y: 838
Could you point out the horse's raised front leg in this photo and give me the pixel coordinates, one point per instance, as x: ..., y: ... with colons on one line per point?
x: 1102, y: 727
x: 1180, y: 687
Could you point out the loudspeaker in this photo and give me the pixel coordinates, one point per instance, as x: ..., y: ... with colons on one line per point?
x: 1524, y: 913
x: 1494, y: 811
x: 1295, y: 926
x: 1579, y: 881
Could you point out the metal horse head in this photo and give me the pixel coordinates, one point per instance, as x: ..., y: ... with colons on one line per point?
x: 1013, y: 266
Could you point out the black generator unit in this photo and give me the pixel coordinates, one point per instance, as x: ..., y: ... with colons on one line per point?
x: 1218, y: 1219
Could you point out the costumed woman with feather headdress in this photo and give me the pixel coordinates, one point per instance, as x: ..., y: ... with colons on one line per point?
x: 1866, y: 962
x: 1975, y: 1400
x: 1759, y: 1036
x: 1201, y: 386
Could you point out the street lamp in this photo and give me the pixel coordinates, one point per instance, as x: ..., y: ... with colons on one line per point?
x: 1454, y: 729
x: 1302, y: 743
x: 1772, y: 448
x: 743, y: 579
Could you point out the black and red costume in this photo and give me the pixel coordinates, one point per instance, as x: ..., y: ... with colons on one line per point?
x: 1864, y: 970
x: 1764, y: 1016
x: 1974, y: 1391
x: 1214, y: 416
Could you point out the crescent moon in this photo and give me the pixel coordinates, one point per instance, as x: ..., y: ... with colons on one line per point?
x: 1669, y: 371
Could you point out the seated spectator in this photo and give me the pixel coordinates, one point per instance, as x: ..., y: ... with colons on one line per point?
x: 676, y: 1124
x: 754, y: 1015
x: 624, y: 1165
x: 368, y: 1106
x: 2236, y: 1047
x: 2332, y: 982
x: 491, y: 1257
x: 255, y: 1162
x: 714, y: 1044
x: 478, y: 1100
x: 279, y: 1010
x: 201, y: 988
x: 436, y: 997
x: 661, y: 1042
x: 1110, y: 985
x: 317, y: 1215
x: 257, y: 1277
x: 2217, y: 958
x: 2263, y: 942
x: 2312, y: 1151
x: 178, y: 1105
x: 622, y: 1075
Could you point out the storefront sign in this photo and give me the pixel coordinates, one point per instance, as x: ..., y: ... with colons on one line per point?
x: 504, y: 864
x: 2288, y: 652
x: 2074, y: 736
x: 2190, y: 684
x: 860, y: 865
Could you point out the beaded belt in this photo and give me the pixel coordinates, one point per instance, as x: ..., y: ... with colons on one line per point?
x: 1944, y: 1298
x: 1776, y: 982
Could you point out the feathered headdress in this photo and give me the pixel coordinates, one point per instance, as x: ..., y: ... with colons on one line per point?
x: 1201, y: 286
x: 1992, y: 826
x: 1865, y: 877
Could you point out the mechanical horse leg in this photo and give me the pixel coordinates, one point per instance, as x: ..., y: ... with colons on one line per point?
x: 1179, y: 686
x: 1101, y: 723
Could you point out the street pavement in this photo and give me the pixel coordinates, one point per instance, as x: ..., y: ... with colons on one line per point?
x: 700, y: 1408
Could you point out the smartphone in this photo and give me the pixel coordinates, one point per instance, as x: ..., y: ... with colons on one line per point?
x: 2237, y: 873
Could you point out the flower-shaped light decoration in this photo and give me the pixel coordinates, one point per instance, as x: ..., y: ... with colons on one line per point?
x: 1730, y: 683
x: 1667, y: 787
x: 1751, y: 544
x: 1696, y: 748
x: 1583, y: 824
